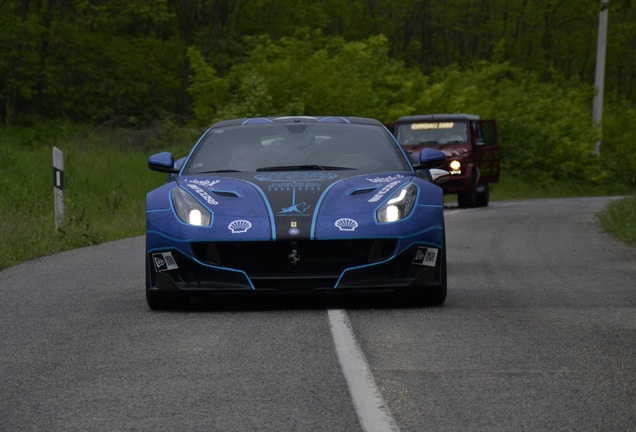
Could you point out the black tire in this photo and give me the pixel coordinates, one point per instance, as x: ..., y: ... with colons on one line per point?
x: 157, y: 300
x: 437, y: 295
x: 468, y: 198
x: 483, y: 195
x: 166, y: 301
x: 430, y: 296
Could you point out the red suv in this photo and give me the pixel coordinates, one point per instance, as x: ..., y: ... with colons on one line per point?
x: 471, y: 147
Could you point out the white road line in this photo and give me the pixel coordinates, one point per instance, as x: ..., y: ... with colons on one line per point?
x: 372, y: 411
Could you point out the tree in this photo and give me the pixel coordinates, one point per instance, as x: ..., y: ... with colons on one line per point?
x: 310, y: 74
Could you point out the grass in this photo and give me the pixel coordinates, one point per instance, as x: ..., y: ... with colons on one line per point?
x: 107, y: 178
x: 619, y: 219
x: 510, y: 188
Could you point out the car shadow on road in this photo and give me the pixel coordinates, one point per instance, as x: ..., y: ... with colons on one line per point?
x: 295, y: 301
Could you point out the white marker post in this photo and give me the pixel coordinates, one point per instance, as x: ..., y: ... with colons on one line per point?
x: 58, y: 187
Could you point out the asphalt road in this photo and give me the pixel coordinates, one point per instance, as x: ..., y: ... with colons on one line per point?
x: 538, y: 334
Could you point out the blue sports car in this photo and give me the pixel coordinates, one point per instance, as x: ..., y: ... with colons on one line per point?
x: 330, y: 204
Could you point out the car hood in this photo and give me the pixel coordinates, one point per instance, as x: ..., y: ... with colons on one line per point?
x: 296, y: 204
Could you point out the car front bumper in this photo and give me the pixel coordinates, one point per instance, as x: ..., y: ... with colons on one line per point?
x: 364, y: 266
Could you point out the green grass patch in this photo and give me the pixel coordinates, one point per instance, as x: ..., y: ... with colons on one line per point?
x: 511, y: 188
x: 106, y: 181
x: 619, y: 219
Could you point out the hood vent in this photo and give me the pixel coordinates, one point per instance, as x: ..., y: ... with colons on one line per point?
x: 225, y: 194
x: 363, y: 191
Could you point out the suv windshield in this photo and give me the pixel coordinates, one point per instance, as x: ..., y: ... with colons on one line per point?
x: 432, y: 133
x: 296, y: 146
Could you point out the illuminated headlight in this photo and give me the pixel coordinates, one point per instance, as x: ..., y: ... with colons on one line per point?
x: 455, y: 167
x: 399, y: 205
x: 189, y: 209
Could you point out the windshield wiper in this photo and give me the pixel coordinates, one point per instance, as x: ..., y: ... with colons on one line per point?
x: 303, y: 168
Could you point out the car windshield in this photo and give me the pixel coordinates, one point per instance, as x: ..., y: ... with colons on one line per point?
x: 294, y: 146
x: 432, y: 133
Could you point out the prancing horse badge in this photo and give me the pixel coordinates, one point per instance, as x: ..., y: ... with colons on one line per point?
x: 294, y: 257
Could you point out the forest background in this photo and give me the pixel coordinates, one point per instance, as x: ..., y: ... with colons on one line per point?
x: 109, y: 81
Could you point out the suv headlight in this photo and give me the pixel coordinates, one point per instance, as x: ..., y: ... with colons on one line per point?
x: 189, y: 209
x: 455, y: 167
x: 399, y: 205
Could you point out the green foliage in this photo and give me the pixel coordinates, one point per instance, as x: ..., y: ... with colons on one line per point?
x: 618, y: 149
x: 87, y: 61
x: 308, y: 74
x: 207, y: 90
x: 90, y: 60
x: 619, y: 218
x: 95, y: 60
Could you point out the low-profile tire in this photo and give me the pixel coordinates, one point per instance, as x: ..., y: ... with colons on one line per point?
x: 157, y: 300
x: 165, y: 301
x: 437, y: 295
x: 428, y: 296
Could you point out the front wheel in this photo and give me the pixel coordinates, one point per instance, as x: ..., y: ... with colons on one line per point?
x: 158, y: 300
x: 483, y: 195
x: 165, y: 301
x: 437, y: 295
x: 468, y: 198
x: 427, y: 296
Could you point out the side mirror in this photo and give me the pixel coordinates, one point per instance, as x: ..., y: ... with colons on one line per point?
x: 162, y: 162
x: 177, y: 166
x: 431, y: 158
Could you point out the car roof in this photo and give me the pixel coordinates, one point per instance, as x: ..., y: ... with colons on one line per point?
x: 429, y: 117
x: 298, y: 119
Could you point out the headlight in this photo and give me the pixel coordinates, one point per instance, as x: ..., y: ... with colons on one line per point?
x: 189, y: 209
x: 399, y: 205
x: 455, y: 167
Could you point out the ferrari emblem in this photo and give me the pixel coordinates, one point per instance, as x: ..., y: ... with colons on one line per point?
x: 294, y: 257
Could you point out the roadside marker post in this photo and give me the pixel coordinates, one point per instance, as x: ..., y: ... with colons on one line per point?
x: 58, y: 187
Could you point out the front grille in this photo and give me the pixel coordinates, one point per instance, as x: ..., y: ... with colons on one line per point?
x: 316, y: 259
